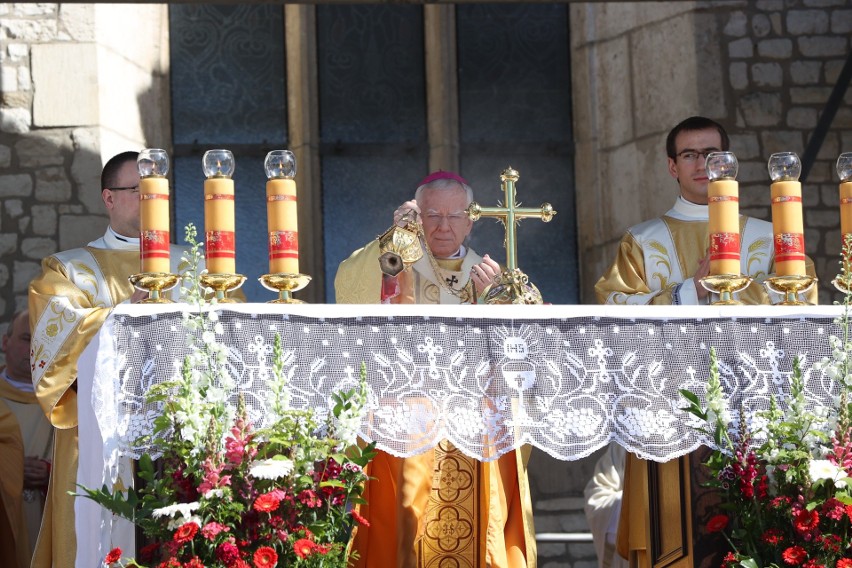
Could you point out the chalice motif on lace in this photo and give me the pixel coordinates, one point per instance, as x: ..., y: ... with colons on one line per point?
x: 519, y: 373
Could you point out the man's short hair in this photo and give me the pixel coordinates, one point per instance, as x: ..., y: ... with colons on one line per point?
x: 691, y: 124
x: 109, y: 175
x: 444, y: 184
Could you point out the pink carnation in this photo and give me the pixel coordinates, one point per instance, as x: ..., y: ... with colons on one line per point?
x: 210, y: 530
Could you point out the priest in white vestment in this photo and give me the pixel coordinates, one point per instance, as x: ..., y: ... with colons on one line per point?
x: 662, y: 262
x: 68, y: 303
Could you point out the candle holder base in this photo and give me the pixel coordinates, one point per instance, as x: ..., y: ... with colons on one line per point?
x: 222, y: 284
x: 155, y: 283
x: 790, y: 286
x: 725, y: 285
x: 285, y: 284
x: 842, y: 284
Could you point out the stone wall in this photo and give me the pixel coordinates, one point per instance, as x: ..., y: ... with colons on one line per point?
x: 763, y: 68
x: 78, y: 84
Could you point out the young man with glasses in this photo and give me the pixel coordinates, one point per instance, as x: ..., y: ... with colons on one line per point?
x: 407, y: 495
x: 68, y: 303
x: 662, y: 261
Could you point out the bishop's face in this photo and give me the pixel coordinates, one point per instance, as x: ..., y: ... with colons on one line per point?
x: 445, y: 223
x: 691, y: 147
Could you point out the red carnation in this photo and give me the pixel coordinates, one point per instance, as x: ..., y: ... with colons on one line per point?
x: 113, y: 556
x: 844, y: 563
x: 228, y: 553
x: 772, y: 537
x: 186, y: 532
x: 265, y: 556
x: 170, y: 563
x: 147, y: 553
x: 194, y: 563
x: 794, y: 555
x: 805, y: 521
x: 266, y: 503
x: 715, y: 524
x: 303, y: 547
x: 729, y: 560
x: 360, y: 518
x: 308, y: 498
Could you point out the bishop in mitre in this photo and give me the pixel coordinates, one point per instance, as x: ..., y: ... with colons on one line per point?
x: 407, y: 493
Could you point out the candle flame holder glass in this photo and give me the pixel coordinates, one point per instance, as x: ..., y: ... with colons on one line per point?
x: 280, y: 164
x: 784, y: 166
x: 153, y: 162
x: 218, y: 163
x: 721, y: 165
x: 844, y: 167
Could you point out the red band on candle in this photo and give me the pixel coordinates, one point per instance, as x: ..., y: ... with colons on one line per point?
x: 283, y: 244
x: 147, y: 196
x: 271, y: 198
x: 724, y: 246
x: 154, y: 244
x: 720, y: 198
x: 787, y: 199
x: 220, y: 244
x: 789, y: 246
x: 226, y: 196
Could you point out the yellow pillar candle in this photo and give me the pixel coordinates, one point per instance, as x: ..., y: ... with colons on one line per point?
x: 723, y: 201
x: 283, y: 226
x: 154, y: 238
x: 724, y: 226
x: 219, y: 217
x: 844, y: 172
x: 787, y: 223
x: 281, y: 212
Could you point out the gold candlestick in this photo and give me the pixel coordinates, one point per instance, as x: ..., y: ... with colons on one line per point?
x: 285, y: 284
x: 155, y: 283
x: 790, y: 286
x: 222, y: 284
x: 725, y: 285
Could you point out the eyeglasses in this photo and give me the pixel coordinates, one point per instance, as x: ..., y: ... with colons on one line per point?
x: 689, y: 155
x: 133, y: 187
x: 454, y: 219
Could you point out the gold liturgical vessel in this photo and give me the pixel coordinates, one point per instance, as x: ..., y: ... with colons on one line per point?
x: 155, y: 276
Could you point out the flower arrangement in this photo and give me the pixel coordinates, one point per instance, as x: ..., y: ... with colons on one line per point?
x: 226, y: 493
x: 783, y: 474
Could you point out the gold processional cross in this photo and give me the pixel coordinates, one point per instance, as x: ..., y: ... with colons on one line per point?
x: 514, y: 286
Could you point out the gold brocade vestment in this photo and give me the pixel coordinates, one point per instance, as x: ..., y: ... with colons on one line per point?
x: 441, y: 508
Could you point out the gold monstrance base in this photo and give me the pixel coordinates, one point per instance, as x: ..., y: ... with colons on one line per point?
x: 791, y: 287
x: 155, y: 283
x: 512, y: 287
x: 726, y: 285
x: 285, y: 284
x: 222, y: 284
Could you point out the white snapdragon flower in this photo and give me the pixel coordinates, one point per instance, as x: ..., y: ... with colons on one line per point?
x: 271, y: 468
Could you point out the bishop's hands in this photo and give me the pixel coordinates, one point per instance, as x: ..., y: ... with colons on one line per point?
x: 409, y: 208
x: 703, y: 270
x: 485, y: 273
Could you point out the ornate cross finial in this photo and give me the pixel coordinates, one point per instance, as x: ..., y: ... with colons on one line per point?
x: 510, y: 214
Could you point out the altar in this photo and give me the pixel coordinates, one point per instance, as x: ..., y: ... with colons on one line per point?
x: 566, y: 379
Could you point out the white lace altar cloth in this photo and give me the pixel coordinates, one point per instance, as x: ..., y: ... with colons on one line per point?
x: 566, y: 379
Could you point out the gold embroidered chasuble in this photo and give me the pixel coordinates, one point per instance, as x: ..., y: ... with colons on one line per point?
x: 14, y: 547
x: 657, y: 259
x: 440, y: 508
x: 68, y: 303
x: 37, y: 435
